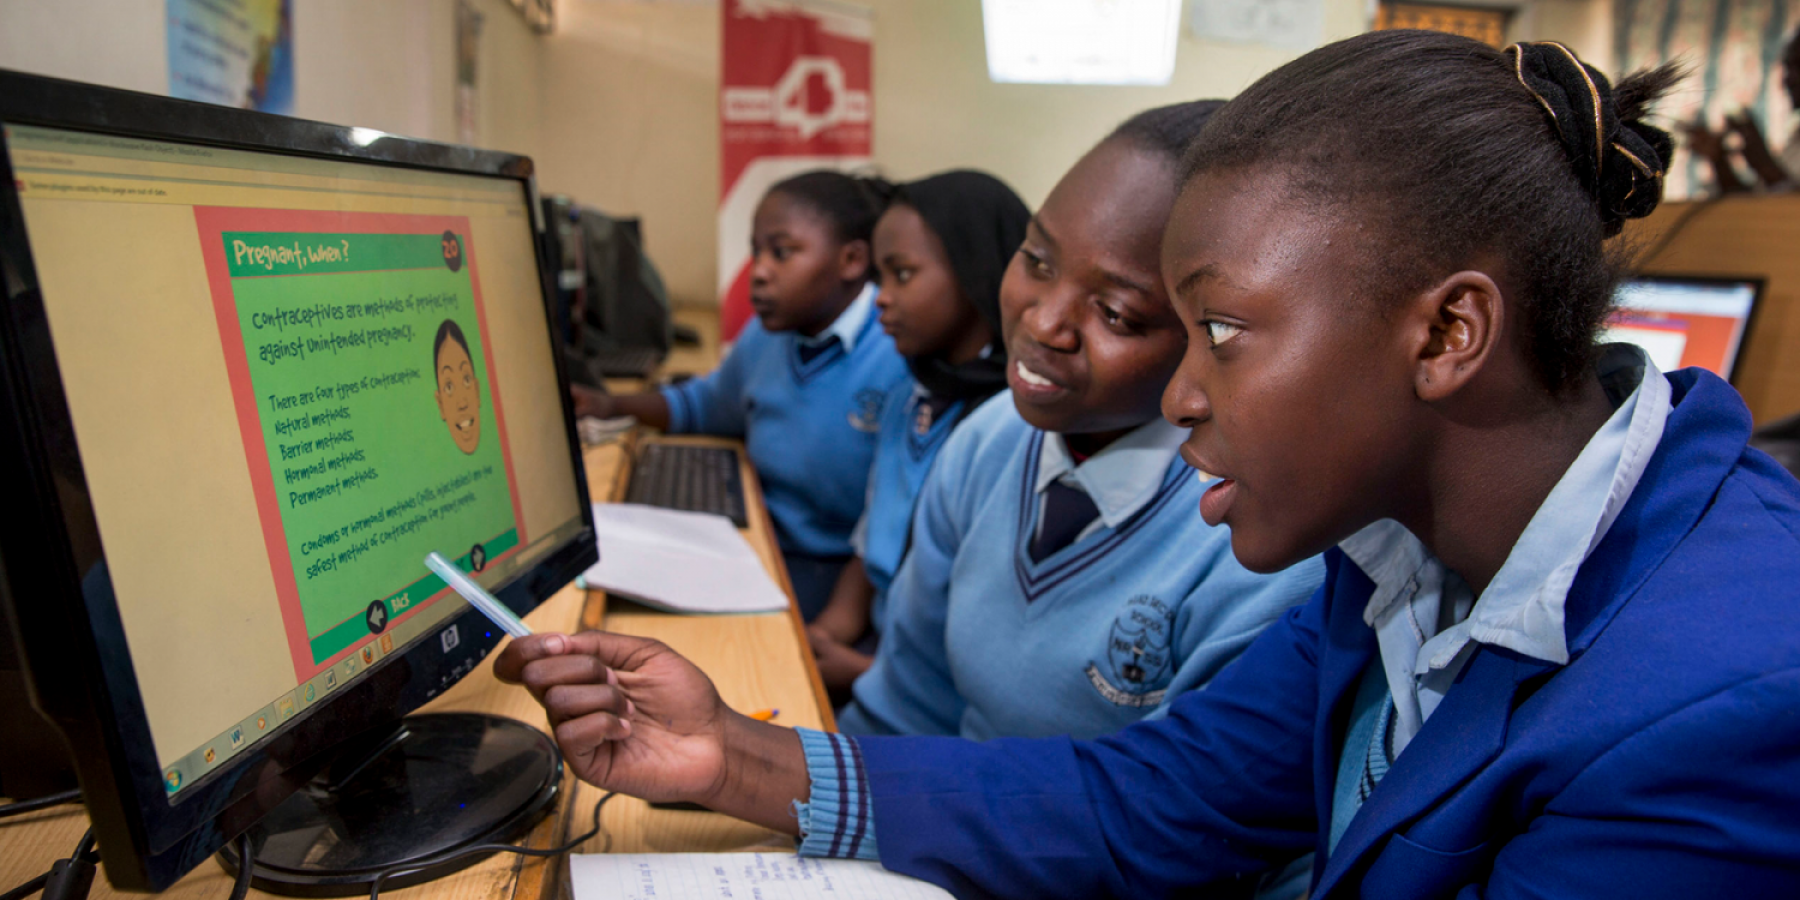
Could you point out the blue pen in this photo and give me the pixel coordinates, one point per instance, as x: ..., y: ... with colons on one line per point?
x: 477, y: 597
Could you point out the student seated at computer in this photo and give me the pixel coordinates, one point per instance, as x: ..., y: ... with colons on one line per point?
x: 1058, y: 581
x: 1557, y: 652
x: 941, y: 247
x: 804, y: 383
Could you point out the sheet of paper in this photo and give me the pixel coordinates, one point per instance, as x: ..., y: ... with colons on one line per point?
x: 681, y: 561
x: 769, y: 876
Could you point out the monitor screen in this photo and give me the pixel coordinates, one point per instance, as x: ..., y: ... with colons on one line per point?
x: 1685, y: 321
x: 289, y: 379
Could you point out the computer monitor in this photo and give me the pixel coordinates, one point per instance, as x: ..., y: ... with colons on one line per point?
x: 252, y: 369
x: 1686, y: 320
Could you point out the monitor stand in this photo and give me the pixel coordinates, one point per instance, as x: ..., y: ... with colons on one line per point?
x: 438, y: 783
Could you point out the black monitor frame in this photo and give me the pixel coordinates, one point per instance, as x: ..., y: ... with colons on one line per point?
x: 71, y: 642
x: 1759, y: 282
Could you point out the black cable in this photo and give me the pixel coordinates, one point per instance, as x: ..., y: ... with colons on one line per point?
x: 19, y: 809
x: 66, y: 872
x: 70, y: 879
x: 26, y: 889
x: 246, y: 860
x: 430, y: 862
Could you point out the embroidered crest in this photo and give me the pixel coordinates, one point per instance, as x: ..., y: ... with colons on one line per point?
x: 1138, y: 665
x: 865, y: 410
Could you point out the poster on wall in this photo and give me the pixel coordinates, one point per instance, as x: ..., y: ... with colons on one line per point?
x: 233, y: 52
x: 794, y: 89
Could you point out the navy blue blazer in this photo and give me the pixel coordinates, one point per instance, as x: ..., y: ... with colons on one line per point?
x: 1662, y: 761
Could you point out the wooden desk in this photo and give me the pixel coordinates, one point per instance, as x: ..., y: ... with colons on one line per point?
x: 757, y: 661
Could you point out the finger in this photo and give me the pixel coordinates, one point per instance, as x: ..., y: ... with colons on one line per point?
x: 523, y: 651
x: 573, y: 701
x: 543, y: 674
x: 617, y: 651
x: 580, y: 738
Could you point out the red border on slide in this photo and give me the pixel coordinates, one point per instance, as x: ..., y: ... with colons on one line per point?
x: 213, y: 222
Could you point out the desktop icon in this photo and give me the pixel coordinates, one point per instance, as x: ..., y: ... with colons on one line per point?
x: 209, y: 756
x: 237, y: 738
x: 349, y: 667
x: 311, y: 692
x: 387, y: 644
x: 368, y: 655
x: 262, y: 723
x: 172, y: 780
x: 330, y: 681
x: 284, y: 709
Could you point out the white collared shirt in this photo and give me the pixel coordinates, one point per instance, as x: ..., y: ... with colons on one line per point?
x: 849, y: 323
x: 1120, y: 479
x: 1426, y: 618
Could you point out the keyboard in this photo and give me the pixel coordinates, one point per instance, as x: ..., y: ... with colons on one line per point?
x: 627, y: 362
x: 683, y: 476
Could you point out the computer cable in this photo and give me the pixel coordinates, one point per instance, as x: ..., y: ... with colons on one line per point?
x: 21, y: 808
x: 68, y: 879
x: 548, y: 853
x: 73, y: 878
x: 240, y: 886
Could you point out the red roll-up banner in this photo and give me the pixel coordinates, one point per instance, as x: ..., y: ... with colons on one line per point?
x: 794, y: 90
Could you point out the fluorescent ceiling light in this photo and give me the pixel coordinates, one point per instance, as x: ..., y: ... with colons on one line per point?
x: 1081, y: 41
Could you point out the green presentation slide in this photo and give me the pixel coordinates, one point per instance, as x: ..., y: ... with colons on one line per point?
x: 365, y: 356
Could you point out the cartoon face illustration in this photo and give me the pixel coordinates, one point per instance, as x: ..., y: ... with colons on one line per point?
x: 458, y: 389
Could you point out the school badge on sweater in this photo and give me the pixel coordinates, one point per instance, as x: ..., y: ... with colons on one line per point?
x: 1138, y: 665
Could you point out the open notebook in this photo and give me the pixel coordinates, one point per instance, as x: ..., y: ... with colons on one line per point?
x: 770, y: 876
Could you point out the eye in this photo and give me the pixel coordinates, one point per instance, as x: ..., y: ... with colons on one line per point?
x: 1035, y: 264
x: 780, y: 253
x: 902, y: 276
x: 1218, y: 332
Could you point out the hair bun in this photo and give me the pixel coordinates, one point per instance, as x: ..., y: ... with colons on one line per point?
x: 1620, y: 161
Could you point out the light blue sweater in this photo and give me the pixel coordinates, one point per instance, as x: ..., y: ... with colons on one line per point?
x: 809, y: 427
x: 983, y: 642
x: 909, y: 441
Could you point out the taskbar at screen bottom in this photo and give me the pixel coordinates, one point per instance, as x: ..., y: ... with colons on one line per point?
x: 181, y: 774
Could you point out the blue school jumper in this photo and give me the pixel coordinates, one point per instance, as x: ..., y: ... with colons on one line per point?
x: 808, y: 421
x: 983, y: 641
x: 1657, y: 762
x: 913, y: 430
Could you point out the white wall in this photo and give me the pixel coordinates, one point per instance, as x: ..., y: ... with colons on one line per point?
x: 631, y: 126
x: 386, y: 64
x: 632, y: 121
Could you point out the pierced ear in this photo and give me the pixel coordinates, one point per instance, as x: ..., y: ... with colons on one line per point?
x: 1463, y: 319
x: 854, y: 263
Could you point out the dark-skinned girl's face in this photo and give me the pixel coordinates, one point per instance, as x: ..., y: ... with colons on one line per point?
x: 1295, y: 389
x: 1090, y: 336
x: 922, y: 307
x: 801, y: 275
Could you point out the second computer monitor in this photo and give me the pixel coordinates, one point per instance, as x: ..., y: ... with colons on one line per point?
x: 1686, y: 320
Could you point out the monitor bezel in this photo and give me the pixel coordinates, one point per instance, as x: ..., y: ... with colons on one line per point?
x: 1760, y: 283
x: 75, y: 655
